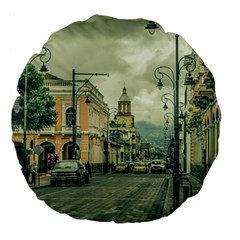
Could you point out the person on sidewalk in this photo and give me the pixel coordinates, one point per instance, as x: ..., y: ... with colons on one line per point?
x: 88, y: 167
x: 33, y: 170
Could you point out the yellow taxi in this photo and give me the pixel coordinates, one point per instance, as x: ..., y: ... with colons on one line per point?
x: 140, y: 167
x: 121, y: 167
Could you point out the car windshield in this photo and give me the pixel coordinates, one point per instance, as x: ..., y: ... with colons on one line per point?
x: 156, y: 162
x: 67, y: 164
x: 140, y: 164
x: 121, y: 164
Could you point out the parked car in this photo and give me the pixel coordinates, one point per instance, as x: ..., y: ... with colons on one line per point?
x: 121, y: 167
x: 69, y: 171
x: 158, y: 166
x: 140, y: 167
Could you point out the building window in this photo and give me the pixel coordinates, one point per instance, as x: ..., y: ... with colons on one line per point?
x: 126, y: 108
x: 69, y: 117
x: 122, y: 108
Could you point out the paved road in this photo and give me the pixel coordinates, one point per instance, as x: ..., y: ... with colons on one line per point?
x: 115, y: 197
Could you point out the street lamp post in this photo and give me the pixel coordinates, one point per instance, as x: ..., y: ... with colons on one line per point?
x: 165, y: 99
x: 168, y: 143
x: 166, y: 72
x: 45, y: 53
x: 105, y: 150
x: 74, y: 123
x: 183, y: 117
x: 117, y: 132
x: 106, y: 145
x: 120, y: 124
x: 169, y: 116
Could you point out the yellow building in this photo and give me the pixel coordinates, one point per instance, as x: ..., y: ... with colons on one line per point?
x: 125, y: 140
x: 91, y: 119
x: 199, y: 146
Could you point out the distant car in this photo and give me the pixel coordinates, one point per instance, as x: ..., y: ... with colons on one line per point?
x: 69, y: 171
x: 121, y: 167
x: 158, y: 166
x: 140, y: 167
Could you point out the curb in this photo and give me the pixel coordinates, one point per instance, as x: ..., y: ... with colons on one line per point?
x: 167, y: 208
x: 44, y: 181
x: 41, y: 186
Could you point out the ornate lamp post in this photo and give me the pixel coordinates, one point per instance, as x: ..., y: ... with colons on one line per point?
x: 106, y: 145
x: 165, y: 99
x: 168, y: 141
x: 183, y: 117
x: 165, y: 72
x: 78, y: 131
x: 105, y: 150
x: 74, y: 124
x: 44, y: 56
x: 169, y: 116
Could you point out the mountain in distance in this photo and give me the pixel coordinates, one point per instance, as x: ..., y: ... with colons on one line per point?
x: 149, y: 132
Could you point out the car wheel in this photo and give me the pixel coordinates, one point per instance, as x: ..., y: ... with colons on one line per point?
x: 78, y: 182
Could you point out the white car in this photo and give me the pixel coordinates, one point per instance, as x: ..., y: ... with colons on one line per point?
x: 158, y: 166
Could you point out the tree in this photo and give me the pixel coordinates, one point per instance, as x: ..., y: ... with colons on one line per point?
x: 40, y: 104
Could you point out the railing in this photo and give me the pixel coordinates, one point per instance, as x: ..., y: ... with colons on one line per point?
x: 62, y: 83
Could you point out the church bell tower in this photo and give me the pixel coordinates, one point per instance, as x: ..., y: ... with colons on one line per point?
x: 124, y: 110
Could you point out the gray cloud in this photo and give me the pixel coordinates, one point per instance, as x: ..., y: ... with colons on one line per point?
x: 124, y: 49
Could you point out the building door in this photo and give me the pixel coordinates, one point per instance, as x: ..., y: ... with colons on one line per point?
x: 49, y: 149
x: 67, y: 151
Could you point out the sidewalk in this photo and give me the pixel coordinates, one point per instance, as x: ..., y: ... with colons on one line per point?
x: 42, y: 180
x: 196, y: 187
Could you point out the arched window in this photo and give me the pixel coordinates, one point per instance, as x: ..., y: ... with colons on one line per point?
x: 69, y: 117
x: 126, y: 107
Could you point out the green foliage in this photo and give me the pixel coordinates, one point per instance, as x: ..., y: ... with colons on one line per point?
x: 40, y: 104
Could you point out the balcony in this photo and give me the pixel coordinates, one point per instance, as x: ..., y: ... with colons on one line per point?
x: 47, y: 131
x: 194, y: 121
x: 204, y: 97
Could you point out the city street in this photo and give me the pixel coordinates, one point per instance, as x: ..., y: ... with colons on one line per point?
x: 114, y: 197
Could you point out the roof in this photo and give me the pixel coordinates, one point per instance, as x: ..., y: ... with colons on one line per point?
x: 124, y: 97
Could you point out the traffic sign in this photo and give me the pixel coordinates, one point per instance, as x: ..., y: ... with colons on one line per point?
x: 38, y: 149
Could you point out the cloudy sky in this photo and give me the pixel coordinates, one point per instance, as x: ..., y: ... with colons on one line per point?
x: 125, y: 50
x: 216, y: 39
